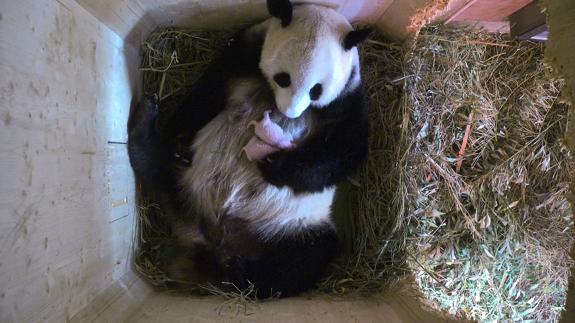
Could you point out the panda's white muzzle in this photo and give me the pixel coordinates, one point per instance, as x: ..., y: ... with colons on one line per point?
x: 292, y: 106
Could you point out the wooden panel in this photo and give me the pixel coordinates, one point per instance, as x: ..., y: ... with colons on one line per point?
x: 559, y: 53
x: 218, y: 14
x: 452, y: 7
x: 561, y: 46
x: 400, y: 307
x: 365, y: 11
x: 65, y: 91
x: 134, y: 19
x: 527, y: 22
x: 170, y: 308
x: 117, y: 302
x: 501, y: 27
x: 127, y: 18
x: 399, y: 16
x: 489, y: 10
x: 213, y: 14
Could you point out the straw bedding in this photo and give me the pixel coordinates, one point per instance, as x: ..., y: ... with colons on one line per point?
x: 485, y: 229
x: 489, y: 224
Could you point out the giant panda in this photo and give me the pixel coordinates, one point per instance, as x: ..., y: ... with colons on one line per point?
x: 265, y: 223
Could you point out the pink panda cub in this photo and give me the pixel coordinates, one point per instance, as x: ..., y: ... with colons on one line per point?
x: 269, y: 138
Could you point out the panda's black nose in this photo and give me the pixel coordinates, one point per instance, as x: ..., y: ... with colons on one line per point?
x: 315, y: 92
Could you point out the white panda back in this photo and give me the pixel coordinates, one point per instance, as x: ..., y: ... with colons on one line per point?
x: 222, y: 182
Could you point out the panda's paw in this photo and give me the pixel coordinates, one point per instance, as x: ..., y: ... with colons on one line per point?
x: 236, y: 268
x: 274, y: 169
x: 143, y: 112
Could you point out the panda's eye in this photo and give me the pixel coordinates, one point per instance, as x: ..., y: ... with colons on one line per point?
x: 315, y: 92
x: 282, y: 79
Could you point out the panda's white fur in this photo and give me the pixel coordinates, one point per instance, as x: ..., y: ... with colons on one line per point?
x: 310, y: 50
x: 225, y: 183
x: 266, y: 224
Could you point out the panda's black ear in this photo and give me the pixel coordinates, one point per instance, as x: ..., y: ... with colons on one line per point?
x: 354, y: 37
x: 281, y: 9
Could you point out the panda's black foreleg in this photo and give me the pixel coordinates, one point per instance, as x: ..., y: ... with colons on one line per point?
x: 326, y: 159
x: 289, y: 265
x: 149, y: 153
x: 208, y: 97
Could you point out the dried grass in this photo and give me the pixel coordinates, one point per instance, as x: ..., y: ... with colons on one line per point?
x: 489, y: 241
x: 152, y: 231
x: 376, y: 258
x: 236, y: 302
x: 173, y: 59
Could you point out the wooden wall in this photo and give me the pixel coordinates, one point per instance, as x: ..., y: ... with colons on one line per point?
x: 133, y: 19
x: 491, y: 15
x: 66, y: 188
x: 489, y: 10
x: 560, y: 54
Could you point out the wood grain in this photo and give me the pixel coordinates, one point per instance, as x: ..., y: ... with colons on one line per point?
x: 559, y: 53
x: 66, y: 87
x: 489, y: 10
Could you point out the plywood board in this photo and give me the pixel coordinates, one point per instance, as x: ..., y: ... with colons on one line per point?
x: 219, y: 14
x: 116, y: 303
x: 65, y: 91
x: 127, y: 18
x: 134, y: 19
x: 170, y: 307
x: 173, y: 308
x: 395, y: 21
x: 489, y: 10
x: 452, y: 7
x: 559, y: 53
x: 501, y: 27
x: 528, y: 22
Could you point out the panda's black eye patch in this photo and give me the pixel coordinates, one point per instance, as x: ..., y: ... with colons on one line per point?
x: 282, y: 79
x: 315, y: 92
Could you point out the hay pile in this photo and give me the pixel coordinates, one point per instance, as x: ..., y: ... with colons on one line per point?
x: 174, y: 58
x: 486, y: 235
x: 375, y: 257
x: 489, y: 224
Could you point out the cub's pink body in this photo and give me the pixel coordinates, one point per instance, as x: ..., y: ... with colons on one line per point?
x: 269, y: 138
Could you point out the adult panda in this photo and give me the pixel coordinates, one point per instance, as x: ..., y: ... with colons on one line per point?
x: 264, y: 222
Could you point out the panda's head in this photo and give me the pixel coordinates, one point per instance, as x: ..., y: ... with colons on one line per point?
x: 309, y: 55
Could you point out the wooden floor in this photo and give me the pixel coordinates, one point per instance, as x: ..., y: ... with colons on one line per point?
x: 165, y: 307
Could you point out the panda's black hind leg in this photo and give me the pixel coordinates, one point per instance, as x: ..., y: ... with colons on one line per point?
x: 150, y: 154
x: 141, y: 112
x: 288, y: 265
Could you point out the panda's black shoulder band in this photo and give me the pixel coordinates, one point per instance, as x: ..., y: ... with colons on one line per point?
x: 288, y: 265
x: 281, y: 9
x: 332, y: 154
x: 355, y: 37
